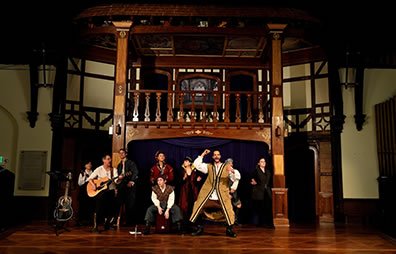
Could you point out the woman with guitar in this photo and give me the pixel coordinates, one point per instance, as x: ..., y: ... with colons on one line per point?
x: 104, y: 187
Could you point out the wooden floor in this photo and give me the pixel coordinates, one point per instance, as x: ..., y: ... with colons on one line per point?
x: 37, y: 238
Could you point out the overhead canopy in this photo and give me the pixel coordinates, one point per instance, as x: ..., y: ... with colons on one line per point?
x: 161, y: 30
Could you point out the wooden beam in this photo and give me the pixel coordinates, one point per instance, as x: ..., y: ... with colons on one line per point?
x: 120, y: 89
x: 279, y: 193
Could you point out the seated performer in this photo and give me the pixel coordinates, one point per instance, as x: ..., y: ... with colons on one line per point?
x: 161, y: 168
x: 163, y: 197
x: 214, y: 192
x: 189, y: 189
x: 86, y: 204
x: 235, y: 200
x: 105, y: 201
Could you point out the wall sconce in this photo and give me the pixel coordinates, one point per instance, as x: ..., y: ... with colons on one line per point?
x: 278, y: 131
x: 347, y: 73
x: 118, y: 129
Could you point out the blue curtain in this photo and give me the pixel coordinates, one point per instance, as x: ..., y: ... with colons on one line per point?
x: 244, y: 153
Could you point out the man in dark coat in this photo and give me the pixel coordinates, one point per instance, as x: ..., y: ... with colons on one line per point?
x: 126, y: 189
x: 262, y: 194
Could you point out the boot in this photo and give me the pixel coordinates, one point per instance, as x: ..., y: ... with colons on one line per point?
x: 147, y: 230
x: 199, y: 231
x: 179, y: 228
x: 95, y: 227
x: 229, y: 232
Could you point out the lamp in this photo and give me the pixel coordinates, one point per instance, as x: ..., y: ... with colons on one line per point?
x: 45, y: 72
x: 347, y: 73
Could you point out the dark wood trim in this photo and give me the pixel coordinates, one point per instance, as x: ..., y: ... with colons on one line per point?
x: 360, y: 211
x: 33, y: 114
x: 184, y: 10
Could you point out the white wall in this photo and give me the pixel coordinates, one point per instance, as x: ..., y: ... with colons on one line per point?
x: 16, y: 134
x: 359, y: 148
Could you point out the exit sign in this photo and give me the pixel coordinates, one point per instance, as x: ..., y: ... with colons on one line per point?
x: 1, y: 159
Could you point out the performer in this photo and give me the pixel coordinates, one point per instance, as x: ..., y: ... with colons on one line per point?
x: 161, y: 168
x: 214, y: 192
x: 86, y: 204
x: 189, y: 188
x: 105, y: 202
x: 262, y: 195
x: 126, y: 189
x: 163, y: 197
x: 235, y: 200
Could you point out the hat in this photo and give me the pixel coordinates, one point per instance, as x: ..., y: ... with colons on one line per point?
x: 188, y: 158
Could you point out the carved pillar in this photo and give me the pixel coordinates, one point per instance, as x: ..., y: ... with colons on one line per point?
x: 337, y: 120
x: 33, y: 114
x: 57, y: 118
x: 279, y: 190
x: 120, y: 88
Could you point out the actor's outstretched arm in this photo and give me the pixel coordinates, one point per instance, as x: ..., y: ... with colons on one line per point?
x: 199, y: 165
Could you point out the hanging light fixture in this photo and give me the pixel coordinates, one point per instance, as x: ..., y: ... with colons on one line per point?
x: 347, y: 73
x: 45, y: 73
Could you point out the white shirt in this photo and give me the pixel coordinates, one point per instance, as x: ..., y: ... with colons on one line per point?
x: 171, y: 198
x: 203, y: 167
x: 237, y: 176
x: 83, y: 178
x: 101, y: 172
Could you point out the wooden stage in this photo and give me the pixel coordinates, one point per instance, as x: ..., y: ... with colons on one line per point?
x: 35, y: 238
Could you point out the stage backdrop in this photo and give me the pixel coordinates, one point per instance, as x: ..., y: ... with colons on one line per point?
x: 244, y: 153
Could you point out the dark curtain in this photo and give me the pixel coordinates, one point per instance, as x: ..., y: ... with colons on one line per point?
x: 244, y: 153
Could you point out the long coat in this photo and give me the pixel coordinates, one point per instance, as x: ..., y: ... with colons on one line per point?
x: 219, y: 183
x: 263, y: 187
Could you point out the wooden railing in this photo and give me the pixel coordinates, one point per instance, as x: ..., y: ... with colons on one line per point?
x: 214, y: 107
x: 315, y: 119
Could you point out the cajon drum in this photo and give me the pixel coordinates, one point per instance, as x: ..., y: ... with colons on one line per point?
x: 162, y: 224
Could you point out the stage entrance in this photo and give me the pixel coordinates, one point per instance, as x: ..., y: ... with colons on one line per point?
x: 300, y: 181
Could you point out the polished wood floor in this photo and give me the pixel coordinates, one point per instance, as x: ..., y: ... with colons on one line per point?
x: 36, y: 238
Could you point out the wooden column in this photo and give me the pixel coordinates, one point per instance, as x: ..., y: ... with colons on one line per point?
x: 120, y: 88
x: 279, y: 190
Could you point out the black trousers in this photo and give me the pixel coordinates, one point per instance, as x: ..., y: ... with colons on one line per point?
x: 263, y: 210
x: 86, y: 205
x: 105, y: 206
x: 127, y: 196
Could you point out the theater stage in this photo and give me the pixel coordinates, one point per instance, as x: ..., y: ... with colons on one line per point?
x: 36, y: 238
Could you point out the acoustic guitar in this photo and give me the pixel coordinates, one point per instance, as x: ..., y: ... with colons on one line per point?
x: 64, y: 210
x: 102, y: 184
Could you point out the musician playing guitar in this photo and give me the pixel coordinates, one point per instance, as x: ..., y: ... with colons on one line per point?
x: 106, y: 201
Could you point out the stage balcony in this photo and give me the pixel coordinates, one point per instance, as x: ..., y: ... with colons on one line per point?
x: 221, y: 114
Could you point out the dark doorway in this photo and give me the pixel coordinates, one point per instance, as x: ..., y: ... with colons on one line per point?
x: 240, y: 83
x: 155, y: 81
x: 300, y: 181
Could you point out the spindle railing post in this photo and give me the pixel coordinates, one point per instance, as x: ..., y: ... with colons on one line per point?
x: 249, y: 108
x: 227, y: 108
x: 147, y: 110
x: 136, y: 107
x: 169, y: 117
x: 158, y: 111
x: 181, y: 112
